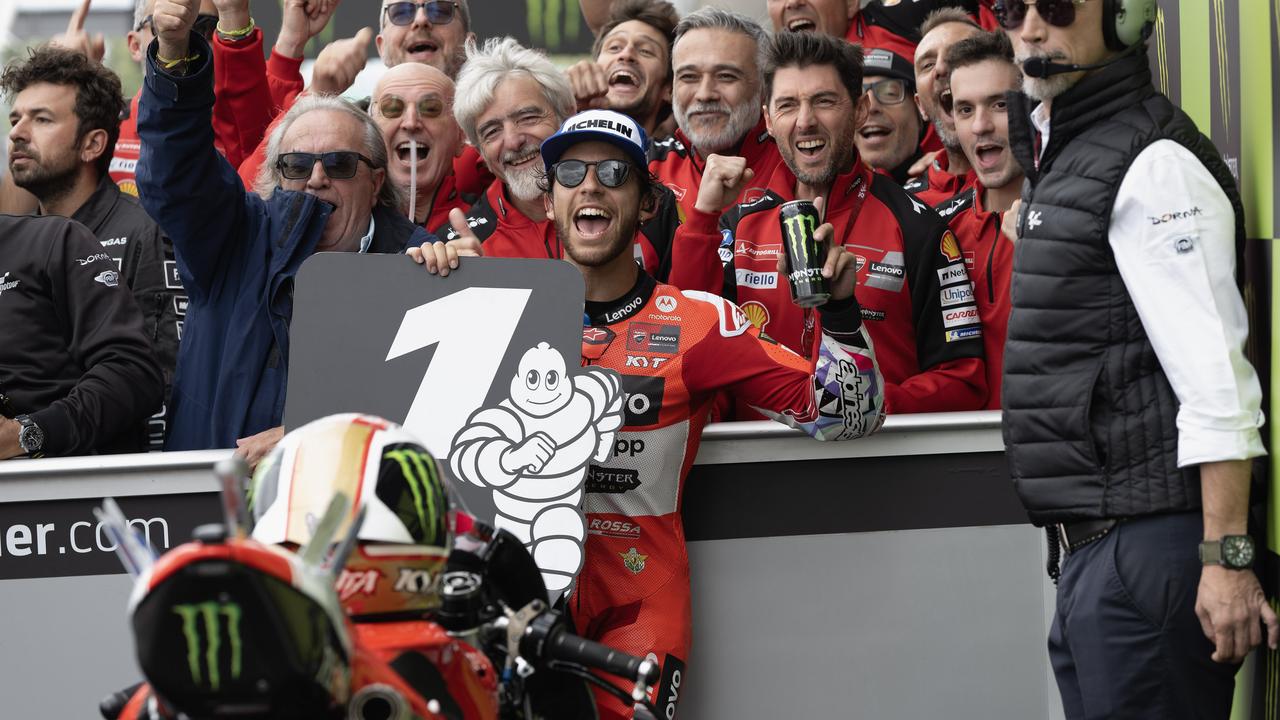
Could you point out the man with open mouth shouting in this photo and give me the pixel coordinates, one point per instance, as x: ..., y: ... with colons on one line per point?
x: 630, y: 69
x: 930, y: 352
x: 982, y: 73
x: 511, y: 98
x: 670, y: 347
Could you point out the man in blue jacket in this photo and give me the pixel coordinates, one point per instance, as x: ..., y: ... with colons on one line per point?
x: 237, y: 252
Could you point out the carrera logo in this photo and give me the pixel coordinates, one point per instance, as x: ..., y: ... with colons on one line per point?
x: 967, y: 315
x: 956, y: 295
x: 753, y: 251
x: 952, y: 274
x: 891, y: 270
x: 751, y: 279
x: 614, y: 528
x: 644, y: 399
x: 611, y: 481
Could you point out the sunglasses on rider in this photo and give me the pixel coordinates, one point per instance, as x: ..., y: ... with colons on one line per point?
x: 393, y: 106
x: 205, y: 25
x: 1058, y: 13
x: 887, y: 92
x: 338, y: 165
x: 439, y: 12
x: 610, y: 173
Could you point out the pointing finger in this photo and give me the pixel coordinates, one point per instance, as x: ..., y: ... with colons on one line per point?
x: 76, y: 24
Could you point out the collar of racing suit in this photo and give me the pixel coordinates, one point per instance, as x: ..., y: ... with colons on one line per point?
x: 96, y: 209
x: 601, y: 313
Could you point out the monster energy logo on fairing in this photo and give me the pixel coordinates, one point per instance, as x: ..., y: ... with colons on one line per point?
x: 208, y: 616
x: 420, y: 473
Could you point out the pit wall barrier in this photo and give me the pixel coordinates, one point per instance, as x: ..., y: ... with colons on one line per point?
x: 890, y: 577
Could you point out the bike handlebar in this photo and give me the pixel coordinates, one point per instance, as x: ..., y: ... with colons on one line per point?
x: 566, y: 646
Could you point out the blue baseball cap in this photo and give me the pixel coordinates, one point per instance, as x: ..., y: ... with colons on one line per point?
x: 604, y: 125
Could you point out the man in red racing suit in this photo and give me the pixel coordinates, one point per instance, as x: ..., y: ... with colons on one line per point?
x: 671, y: 349
x: 930, y: 352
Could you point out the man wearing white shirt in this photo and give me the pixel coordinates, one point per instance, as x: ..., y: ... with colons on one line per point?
x: 1131, y: 413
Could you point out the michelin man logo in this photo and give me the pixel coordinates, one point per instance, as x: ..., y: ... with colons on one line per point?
x: 533, y: 451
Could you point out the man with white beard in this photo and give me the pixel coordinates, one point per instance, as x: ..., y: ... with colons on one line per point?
x: 715, y: 96
x: 509, y: 99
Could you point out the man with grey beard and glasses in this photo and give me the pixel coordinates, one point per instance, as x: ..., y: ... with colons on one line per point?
x: 715, y: 96
x: 508, y: 100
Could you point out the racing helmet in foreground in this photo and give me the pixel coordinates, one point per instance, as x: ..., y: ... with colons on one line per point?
x: 404, y: 541
x: 229, y: 628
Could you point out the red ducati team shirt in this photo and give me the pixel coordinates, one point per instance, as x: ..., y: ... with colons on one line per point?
x: 504, y: 231
x: 988, y: 256
x: 936, y: 185
x: 931, y: 356
x: 678, y: 164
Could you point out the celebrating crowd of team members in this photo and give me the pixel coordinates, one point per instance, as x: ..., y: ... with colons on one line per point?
x: 662, y: 164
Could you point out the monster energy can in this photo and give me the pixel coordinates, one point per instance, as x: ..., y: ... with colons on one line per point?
x: 805, y: 257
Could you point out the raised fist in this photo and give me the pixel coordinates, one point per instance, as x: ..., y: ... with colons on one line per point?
x: 723, y: 180
x: 590, y: 84
x: 340, y: 62
x: 172, y: 21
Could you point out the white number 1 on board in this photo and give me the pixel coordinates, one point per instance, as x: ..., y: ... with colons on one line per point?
x: 473, y: 328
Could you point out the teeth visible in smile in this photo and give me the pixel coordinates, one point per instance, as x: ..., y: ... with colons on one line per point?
x: 810, y: 144
x: 593, y: 212
x: 797, y: 25
x: 524, y: 158
x: 623, y: 77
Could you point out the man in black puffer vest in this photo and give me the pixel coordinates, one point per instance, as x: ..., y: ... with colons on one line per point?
x: 1131, y: 413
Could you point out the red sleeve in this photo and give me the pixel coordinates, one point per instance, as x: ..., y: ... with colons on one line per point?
x: 284, y: 83
x: 242, y: 110
x: 284, y: 78
x: 695, y: 257
x: 762, y: 374
x: 946, y: 387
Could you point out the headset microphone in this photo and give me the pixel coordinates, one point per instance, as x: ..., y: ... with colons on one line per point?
x: 1042, y: 67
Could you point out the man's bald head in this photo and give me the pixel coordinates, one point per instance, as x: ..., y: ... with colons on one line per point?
x: 414, y: 102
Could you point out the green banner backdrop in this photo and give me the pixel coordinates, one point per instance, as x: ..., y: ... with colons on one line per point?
x: 1216, y: 59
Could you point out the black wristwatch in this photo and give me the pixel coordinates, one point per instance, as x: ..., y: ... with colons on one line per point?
x: 30, y: 437
x: 1233, y: 552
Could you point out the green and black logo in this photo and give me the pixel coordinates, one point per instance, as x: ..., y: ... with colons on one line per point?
x: 429, y: 505
x: 212, y: 632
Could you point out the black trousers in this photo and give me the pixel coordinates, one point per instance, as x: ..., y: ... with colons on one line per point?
x: 1125, y: 641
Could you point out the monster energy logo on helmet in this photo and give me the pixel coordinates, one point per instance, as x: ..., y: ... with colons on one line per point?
x: 202, y: 628
x: 423, y: 480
